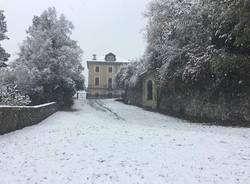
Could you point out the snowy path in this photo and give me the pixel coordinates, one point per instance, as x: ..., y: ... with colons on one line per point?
x: 109, y: 142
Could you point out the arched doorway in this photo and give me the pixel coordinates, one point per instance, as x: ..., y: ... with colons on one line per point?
x: 150, y: 90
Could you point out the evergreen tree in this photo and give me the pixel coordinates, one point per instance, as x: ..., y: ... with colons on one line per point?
x: 49, y: 63
x: 3, y: 29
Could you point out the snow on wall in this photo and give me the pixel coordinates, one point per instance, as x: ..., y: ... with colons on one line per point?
x: 17, y: 117
x: 28, y: 107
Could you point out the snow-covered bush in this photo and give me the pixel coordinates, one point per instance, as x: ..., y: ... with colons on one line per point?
x: 9, y: 94
x: 49, y: 64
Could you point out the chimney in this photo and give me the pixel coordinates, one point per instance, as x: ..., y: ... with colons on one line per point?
x: 94, y: 57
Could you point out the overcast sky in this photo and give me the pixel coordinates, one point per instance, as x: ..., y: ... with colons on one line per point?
x: 101, y: 26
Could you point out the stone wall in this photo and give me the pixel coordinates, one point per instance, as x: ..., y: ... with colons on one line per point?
x: 203, y: 106
x: 179, y: 100
x: 133, y: 96
x: 17, y: 117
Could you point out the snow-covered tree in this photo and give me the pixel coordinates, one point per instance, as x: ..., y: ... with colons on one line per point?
x: 128, y: 74
x: 185, y: 37
x: 3, y: 29
x: 172, y: 26
x: 197, y: 42
x: 49, y: 64
x: 231, y: 25
x: 175, y: 28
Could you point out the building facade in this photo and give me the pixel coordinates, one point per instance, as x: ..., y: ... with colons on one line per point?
x: 102, y: 73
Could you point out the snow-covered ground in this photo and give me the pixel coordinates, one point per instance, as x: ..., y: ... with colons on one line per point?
x: 104, y: 141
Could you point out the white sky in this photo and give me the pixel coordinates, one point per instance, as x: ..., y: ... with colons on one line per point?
x: 101, y: 26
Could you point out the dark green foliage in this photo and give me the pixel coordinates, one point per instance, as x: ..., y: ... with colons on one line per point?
x: 80, y: 83
x: 3, y: 29
x: 63, y: 93
x: 230, y: 25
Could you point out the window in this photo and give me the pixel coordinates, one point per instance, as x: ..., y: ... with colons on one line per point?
x: 97, y: 69
x: 97, y: 82
x: 149, y: 90
x: 110, y: 58
x: 110, y: 69
x: 110, y: 81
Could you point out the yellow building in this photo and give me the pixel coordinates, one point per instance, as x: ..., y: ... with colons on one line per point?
x: 102, y: 73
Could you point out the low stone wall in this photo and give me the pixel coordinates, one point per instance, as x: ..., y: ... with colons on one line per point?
x: 17, y: 117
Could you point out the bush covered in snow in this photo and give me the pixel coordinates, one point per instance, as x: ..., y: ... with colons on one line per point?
x: 49, y: 64
x: 9, y: 94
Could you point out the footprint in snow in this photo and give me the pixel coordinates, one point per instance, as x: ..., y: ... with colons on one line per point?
x: 180, y: 145
x: 101, y: 161
x: 223, y: 142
